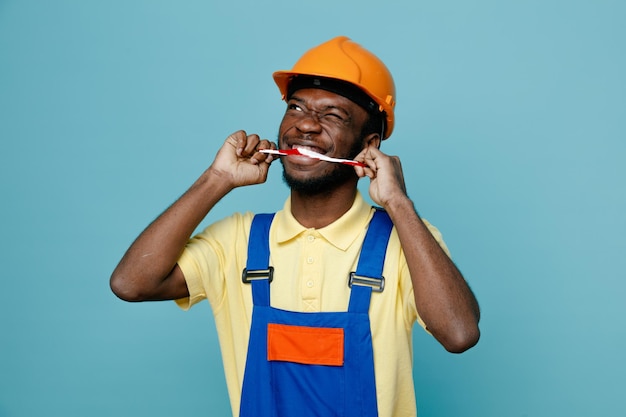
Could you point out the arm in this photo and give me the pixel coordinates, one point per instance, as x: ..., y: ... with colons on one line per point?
x: 443, y: 298
x: 148, y: 270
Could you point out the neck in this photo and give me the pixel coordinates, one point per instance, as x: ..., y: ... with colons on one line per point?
x: 320, y: 210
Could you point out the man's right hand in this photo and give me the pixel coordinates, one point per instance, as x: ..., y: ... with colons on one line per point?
x: 239, y: 162
x: 148, y: 270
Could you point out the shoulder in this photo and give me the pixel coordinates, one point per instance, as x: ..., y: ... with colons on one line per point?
x: 229, y: 226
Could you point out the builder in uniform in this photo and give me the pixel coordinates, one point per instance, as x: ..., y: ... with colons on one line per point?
x: 314, y: 305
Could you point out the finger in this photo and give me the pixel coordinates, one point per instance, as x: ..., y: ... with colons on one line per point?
x: 237, y: 140
x: 265, y: 144
x: 258, y: 157
x: 361, y: 157
x: 252, y: 141
x: 371, y: 173
x: 373, y: 153
x: 369, y: 170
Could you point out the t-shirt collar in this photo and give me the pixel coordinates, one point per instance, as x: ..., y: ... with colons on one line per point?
x: 341, y: 233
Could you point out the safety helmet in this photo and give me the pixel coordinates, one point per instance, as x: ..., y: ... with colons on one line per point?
x: 343, y: 59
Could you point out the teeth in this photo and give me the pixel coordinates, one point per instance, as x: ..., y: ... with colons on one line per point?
x: 305, y: 148
x: 310, y: 153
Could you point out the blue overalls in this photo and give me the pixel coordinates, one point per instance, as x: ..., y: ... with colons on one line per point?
x: 312, y: 364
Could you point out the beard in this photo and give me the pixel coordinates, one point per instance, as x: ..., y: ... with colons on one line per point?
x: 339, y: 174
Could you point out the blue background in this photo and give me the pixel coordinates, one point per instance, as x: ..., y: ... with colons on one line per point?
x: 511, y: 122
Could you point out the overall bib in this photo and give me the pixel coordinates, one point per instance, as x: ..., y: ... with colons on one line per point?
x: 312, y: 364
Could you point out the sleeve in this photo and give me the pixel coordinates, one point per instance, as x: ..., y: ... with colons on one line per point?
x: 189, y: 264
x: 438, y: 237
x: 210, y: 257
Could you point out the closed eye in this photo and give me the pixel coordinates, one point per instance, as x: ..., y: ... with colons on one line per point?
x: 334, y: 115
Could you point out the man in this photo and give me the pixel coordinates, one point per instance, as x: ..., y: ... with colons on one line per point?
x: 314, y: 305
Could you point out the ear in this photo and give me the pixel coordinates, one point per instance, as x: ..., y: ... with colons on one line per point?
x: 373, y: 139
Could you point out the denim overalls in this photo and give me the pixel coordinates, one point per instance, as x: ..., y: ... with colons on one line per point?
x: 312, y: 364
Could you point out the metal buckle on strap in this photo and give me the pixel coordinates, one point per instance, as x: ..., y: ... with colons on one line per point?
x: 377, y: 284
x: 257, y: 274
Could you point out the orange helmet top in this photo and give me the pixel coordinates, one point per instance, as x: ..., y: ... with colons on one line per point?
x: 342, y: 59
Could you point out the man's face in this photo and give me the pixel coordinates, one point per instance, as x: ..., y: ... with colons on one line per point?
x: 326, y: 123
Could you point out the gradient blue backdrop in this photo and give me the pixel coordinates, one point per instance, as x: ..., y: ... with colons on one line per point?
x: 511, y: 122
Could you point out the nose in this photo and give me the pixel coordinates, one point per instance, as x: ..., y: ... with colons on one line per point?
x: 308, y: 122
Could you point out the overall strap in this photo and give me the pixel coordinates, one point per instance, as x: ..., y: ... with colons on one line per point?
x: 258, y: 272
x: 369, y: 271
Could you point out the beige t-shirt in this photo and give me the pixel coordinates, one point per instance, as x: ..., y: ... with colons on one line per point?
x: 311, y: 269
